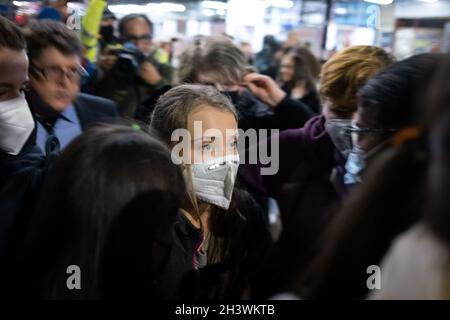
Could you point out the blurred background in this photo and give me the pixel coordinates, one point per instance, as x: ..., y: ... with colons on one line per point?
x: 403, y: 27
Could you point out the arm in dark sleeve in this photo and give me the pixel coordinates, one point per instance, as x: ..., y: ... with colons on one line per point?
x: 292, y: 113
x: 20, y: 179
x: 291, y: 151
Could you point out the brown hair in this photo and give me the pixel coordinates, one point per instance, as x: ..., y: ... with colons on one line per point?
x: 346, y: 72
x: 49, y: 33
x: 10, y: 35
x: 173, y: 108
x: 217, y: 55
x: 306, y: 68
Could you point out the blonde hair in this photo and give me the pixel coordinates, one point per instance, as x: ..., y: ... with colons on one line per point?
x: 346, y: 72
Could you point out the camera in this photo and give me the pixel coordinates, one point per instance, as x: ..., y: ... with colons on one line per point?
x: 128, y: 62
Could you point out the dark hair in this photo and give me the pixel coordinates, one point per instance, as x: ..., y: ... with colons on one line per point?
x: 389, y: 100
x: 270, y: 42
x: 306, y: 68
x: 11, y: 36
x: 48, y: 33
x: 100, y: 190
x: 438, y: 206
x: 173, y: 108
x: 133, y: 16
x: 387, y: 203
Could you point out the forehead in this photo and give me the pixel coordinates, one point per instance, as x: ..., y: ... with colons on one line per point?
x: 13, y: 66
x: 137, y: 26
x: 287, y: 59
x: 212, y: 118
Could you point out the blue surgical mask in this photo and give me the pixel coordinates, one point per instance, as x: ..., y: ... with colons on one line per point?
x: 354, y: 166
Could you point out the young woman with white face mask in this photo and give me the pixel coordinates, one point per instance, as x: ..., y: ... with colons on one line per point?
x: 221, y: 232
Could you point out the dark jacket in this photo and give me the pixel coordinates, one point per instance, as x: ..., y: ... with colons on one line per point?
x: 311, y: 99
x: 128, y: 91
x: 91, y: 110
x: 254, y: 114
x: 241, y: 274
x: 21, y: 176
x: 304, y: 192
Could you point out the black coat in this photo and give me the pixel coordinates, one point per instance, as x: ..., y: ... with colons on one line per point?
x: 91, y: 110
x: 21, y: 176
x: 254, y: 114
x: 241, y: 274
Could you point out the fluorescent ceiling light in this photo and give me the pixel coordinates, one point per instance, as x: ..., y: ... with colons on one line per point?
x: 381, y: 2
x: 126, y: 8
x: 175, y: 7
x: 341, y: 10
x: 280, y: 3
x: 20, y: 3
x: 215, y: 5
x: 208, y: 12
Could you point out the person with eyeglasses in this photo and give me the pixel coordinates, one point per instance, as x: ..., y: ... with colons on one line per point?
x: 309, y: 183
x: 394, y: 117
x: 55, y: 72
x: 132, y: 74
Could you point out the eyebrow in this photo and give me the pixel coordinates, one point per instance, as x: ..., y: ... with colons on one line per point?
x: 205, y: 138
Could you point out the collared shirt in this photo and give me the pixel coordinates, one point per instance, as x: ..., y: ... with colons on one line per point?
x: 66, y: 128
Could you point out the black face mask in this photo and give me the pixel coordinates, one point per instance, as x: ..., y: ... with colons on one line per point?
x: 233, y: 95
x: 107, y: 33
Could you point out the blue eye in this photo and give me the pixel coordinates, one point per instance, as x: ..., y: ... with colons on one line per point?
x: 207, y: 147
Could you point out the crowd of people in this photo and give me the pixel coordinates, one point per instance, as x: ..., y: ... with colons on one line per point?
x: 92, y: 177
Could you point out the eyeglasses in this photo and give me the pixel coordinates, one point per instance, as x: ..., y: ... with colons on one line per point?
x: 132, y: 38
x: 354, y: 128
x: 358, y: 132
x: 54, y: 73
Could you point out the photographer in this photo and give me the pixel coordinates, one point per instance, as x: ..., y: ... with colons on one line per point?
x: 131, y: 74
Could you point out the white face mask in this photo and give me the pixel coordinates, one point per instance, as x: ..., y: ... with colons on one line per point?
x: 213, y: 180
x: 16, y: 124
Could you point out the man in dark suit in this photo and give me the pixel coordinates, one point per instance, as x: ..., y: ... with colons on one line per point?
x: 61, y: 111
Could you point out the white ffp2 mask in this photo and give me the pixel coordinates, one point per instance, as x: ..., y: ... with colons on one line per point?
x: 213, y: 180
x: 16, y: 124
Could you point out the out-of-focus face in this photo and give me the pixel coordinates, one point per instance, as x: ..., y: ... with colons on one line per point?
x: 13, y: 73
x: 211, y: 79
x: 365, y: 141
x: 56, y: 78
x: 217, y: 137
x: 137, y: 31
x: 286, y: 69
